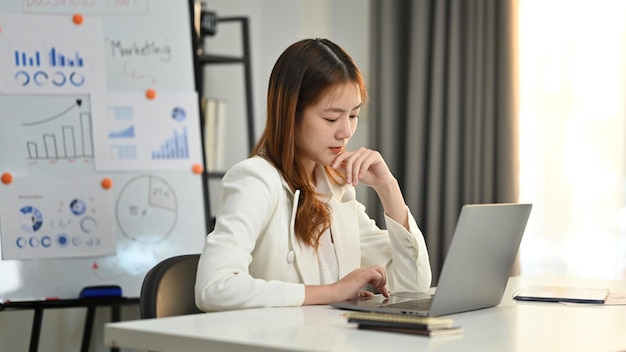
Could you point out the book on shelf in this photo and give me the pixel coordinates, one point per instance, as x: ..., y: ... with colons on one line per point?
x: 214, y: 113
x: 409, y: 324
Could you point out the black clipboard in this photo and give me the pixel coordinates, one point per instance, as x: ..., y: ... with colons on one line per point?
x: 562, y: 294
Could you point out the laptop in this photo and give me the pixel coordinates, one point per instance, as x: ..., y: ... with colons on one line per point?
x: 475, y: 271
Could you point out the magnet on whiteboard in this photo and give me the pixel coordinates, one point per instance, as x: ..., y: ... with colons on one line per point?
x: 150, y: 93
x: 106, y: 183
x: 6, y: 178
x: 197, y: 169
x: 77, y: 19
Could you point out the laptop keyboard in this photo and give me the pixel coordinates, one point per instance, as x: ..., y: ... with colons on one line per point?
x: 418, y: 304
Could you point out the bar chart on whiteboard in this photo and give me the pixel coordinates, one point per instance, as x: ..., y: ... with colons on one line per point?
x: 139, y: 134
x: 55, y: 134
x: 66, y: 135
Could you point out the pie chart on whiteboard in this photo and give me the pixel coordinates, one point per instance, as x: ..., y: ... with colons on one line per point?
x: 146, y: 209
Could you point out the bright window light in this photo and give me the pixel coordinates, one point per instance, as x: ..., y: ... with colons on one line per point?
x: 572, y: 111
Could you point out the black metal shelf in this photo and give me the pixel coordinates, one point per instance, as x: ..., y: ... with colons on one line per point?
x: 216, y: 174
x: 220, y: 59
x: 203, y: 58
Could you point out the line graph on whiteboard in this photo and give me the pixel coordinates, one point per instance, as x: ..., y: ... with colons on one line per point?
x: 65, y: 135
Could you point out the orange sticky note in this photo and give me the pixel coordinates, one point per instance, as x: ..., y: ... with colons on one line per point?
x: 6, y: 178
x: 150, y: 94
x: 77, y: 19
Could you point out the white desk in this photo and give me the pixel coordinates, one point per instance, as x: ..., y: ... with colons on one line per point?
x: 511, y: 326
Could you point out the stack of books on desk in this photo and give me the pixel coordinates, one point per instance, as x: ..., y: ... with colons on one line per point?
x: 408, y: 324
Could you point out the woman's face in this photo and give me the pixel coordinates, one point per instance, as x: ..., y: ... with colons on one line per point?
x: 326, y: 127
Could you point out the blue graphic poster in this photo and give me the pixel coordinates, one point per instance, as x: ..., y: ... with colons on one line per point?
x: 64, y: 61
x: 42, y: 217
x: 135, y: 133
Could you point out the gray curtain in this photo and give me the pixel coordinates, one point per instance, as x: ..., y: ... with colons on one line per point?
x: 442, y: 108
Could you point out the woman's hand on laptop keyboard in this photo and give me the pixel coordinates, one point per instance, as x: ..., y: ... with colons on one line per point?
x: 350, y: 286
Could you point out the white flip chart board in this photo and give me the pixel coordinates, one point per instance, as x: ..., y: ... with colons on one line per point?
x: 100, y: 145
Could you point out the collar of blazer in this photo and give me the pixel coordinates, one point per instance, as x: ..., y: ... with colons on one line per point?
x: 323, y: 182
x: 343, y: 223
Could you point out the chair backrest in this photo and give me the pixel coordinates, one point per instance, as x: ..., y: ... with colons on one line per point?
x: 168, y: 288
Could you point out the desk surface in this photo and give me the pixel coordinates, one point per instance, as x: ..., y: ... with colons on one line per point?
x: 511, y: 326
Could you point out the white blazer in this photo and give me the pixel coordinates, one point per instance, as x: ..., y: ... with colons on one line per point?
x: 252, y: 258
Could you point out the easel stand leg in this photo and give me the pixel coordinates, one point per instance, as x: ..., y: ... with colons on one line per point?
x: 91, y: 312
x: 34, y: 334
x: 115, y: 317
x: 38, y: 307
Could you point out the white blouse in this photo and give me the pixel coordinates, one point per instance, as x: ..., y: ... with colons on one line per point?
x: 326, y: 255
x: 327, y: 259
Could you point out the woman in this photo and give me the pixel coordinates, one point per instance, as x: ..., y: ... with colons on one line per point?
x: 290, y: 231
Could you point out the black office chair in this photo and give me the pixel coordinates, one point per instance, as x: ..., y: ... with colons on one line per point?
x: 168, y: 288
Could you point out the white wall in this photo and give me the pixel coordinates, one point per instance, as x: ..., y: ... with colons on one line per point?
x: 274, y: 25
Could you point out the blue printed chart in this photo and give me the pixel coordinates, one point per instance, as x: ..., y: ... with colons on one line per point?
x: 135, y: 133
x: 56, y: 218
x: 62, y: 59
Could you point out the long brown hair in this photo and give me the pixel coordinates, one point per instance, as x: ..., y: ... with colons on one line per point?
x: 302, y: 74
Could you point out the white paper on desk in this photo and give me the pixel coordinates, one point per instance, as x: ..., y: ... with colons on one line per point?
x: 615, y: 299
x: 54, y: 217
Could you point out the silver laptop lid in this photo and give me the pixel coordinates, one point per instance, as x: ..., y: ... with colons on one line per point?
x: 480, y: 258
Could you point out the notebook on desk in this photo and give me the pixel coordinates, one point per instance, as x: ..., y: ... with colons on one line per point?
x: 476, y: 269
x: 563, y: 294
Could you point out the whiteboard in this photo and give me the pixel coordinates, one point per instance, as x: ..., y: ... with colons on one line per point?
x: 100, y: 146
